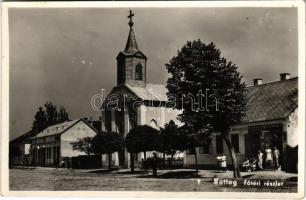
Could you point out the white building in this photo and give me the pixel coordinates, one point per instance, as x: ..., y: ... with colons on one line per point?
x: 53, y: 145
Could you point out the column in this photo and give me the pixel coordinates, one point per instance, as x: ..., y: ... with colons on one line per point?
x: 141, y: 115
x: 113, y: 122
x: 126, y: 130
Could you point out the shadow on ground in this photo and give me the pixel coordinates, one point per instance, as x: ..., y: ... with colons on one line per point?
x: 248, y: 176
x: 173, y: 175
x: 292, y: 179
x: 135, y: 172
x: 23, y: 168
x: 103, y: 171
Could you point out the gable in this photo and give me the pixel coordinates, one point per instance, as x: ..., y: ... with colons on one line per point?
x: 77, y: 131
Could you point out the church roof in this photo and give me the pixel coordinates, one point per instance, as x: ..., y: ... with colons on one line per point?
x: 155, y: 92
x: 270, y: 101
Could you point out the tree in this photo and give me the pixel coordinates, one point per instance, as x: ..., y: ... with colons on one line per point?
x: 194, y: 138
x: 199, y: 68
x: 52, y: 114
x: 62, y: 115
x: 142, y: 139
x: 40, y: 122
x: 102, y: 143
x: 107, y: 143
x: 173, y: 140
x: 48, y: 117
x: 83, y: 145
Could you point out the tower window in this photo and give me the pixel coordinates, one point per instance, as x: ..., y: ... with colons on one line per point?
x: 138, y: 72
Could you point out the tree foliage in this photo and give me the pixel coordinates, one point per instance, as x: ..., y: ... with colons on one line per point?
x: 198, y: 72
x: 107, y: 143
x: 173, y: 139
x: 199, y: 67
x: 143, y: 138
x: 83, y: 145
x: 102, y: 143
x: 40, y: 121
x: 48, y: 116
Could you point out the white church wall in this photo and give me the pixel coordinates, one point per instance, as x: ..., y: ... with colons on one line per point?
x: 157, y: 116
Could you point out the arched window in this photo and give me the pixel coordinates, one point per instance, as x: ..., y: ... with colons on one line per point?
x: 153, y: 124
x: 138, y: 72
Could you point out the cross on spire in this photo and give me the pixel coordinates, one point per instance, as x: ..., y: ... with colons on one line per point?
x: 131, y: 15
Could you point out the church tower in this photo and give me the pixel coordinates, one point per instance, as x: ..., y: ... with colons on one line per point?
x: 131, y: 63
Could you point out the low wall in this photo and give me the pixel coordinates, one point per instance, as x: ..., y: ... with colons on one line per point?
x: 209, y: 161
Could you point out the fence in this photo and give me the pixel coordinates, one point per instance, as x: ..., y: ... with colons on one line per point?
x: 86, y: 162
x: 163, y: 164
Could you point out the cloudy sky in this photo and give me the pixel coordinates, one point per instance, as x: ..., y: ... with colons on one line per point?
x: 67, y: 55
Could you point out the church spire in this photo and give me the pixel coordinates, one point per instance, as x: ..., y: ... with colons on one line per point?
x: 131, y: 63
x: 131, y: 45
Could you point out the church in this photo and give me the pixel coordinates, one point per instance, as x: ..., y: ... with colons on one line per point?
x: 271, y: 116
x: 132, y: 84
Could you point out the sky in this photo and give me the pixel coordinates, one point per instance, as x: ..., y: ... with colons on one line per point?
x: 67, y: 55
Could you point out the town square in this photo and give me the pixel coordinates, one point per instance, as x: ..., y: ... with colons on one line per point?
x: 154, y: 99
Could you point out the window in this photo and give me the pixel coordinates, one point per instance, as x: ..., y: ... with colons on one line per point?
x: 219, y: 144
x: 204, y: 149
x: 190, y: 151
x: 235, y: 142
x: 138, y: 72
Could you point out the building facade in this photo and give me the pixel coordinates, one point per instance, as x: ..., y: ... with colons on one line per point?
x: 19, y: 150
x: 53, y: 145
x: 270, y: 121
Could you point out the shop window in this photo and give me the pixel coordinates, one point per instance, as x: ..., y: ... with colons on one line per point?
x: 190, y: 151
x: 204, y: 149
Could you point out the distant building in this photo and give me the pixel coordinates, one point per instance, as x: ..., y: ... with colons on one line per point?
x: 19, y: 150
x: 53, y: 145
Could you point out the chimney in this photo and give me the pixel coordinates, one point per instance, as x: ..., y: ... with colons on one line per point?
x: 284, y: 76
x: 257, y: 81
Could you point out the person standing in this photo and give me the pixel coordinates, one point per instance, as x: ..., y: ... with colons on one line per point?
x: 223, y: 162
x: 260, y: 159
x: 269, y: 160
x: 276, y: 157
x: 154, y: 164
x: 219, y: 161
